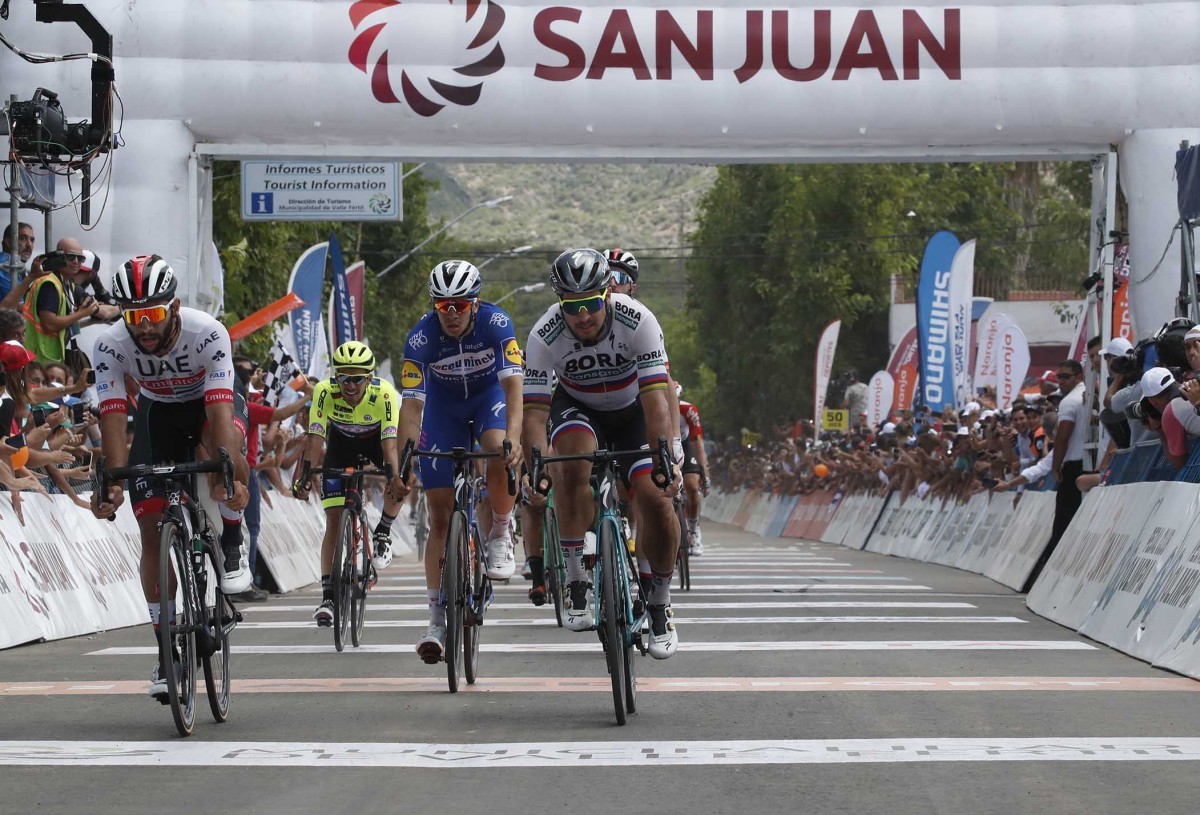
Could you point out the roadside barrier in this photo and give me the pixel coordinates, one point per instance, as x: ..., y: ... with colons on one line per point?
x: 64, y: 573
x: 1126, y: 572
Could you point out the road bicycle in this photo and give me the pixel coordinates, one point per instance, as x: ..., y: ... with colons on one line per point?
x: 620, y: 616
x: 683, y: 558
x: 188, y: 557
x: 466, y: 589
x: 353, y: 575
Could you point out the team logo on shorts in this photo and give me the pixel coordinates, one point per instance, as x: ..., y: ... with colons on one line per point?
x: 410, y: 375
x: 512, y: 352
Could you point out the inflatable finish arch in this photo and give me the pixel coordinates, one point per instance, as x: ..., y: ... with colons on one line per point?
x: 691, y: 80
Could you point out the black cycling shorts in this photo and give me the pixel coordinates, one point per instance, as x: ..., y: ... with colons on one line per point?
x: 690, y: 463
x: 343, y: 451
x: 169, y: 433
x: 623, y: 429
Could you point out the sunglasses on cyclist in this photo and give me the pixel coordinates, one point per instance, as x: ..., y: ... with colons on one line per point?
x: 621, y: 279
x: 454, y: 306
x: 348, y: 379
x: 578, y: 305
x: 155, y: 314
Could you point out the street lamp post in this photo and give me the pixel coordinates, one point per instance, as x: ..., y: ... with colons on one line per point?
x: 495, y: 202
x: 518, y: 250
x: 528, y: 288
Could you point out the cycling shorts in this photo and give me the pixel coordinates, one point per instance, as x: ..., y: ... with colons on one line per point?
x: 343, y: 451
x: 444, y: 426
x: 690, y: 463
x: 623, y: 429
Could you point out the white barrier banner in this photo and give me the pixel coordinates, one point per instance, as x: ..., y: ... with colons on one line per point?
x: 1109, y: 521
x: 1023, y: 541
x: 1123, y: 616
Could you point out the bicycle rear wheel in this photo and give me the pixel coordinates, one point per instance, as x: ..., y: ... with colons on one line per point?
x: 626, y: 574
x: 682, y: 562
x: 175, y: 560
x: 454, y: 579
x: 216, y: 665
x: 555, y: 566
x: 360, y: 579
x: 613, y: 637
x: 473, y: 621
x: 341, y: 580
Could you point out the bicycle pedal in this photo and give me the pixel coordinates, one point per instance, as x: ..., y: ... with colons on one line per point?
x: 161, y: 698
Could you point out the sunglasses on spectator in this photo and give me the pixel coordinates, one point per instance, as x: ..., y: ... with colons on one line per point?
x: 155, y: 314
x: 73, y: 256
x: 349, y: 379
x: 578, y: 305
x: 1066, y: 375
x: 454, y: 306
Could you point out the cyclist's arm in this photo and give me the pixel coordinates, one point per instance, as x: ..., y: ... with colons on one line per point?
x: 514, y: 404
x: 114, y: 438
x: 225, y: 434
x: 535, y: 394
x: 654, y: 382
x: 411, y: 411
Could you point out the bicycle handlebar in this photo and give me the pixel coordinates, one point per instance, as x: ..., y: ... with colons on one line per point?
x: 456, y: 454
x: 661, y: 476
x: 162, y: 472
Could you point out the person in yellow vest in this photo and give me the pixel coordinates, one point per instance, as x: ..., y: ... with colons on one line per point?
x: 49, y: 310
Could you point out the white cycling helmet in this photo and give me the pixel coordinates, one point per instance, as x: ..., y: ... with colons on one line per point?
x: 454, y: 278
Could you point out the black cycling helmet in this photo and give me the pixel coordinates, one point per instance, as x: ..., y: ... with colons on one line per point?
x: 576, y: 271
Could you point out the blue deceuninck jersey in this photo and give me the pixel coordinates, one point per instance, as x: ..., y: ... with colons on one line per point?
x: 460, y: 366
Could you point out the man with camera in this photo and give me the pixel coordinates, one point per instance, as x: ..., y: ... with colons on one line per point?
x: 49, y: 310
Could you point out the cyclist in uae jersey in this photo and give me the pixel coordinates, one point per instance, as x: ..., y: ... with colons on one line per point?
x: 353, y: 417
x: 180, y: 358
x: 607, y: 351
x: 461, y: 364
x: 695, y: 468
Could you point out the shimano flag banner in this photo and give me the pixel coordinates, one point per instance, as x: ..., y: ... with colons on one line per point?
x: 962, y: 285
x: 903, y: 367
x: 879, y: 398
x: 826, y: 348
x: 934, y: 327
x: 341, y: 327
x: 307, y: 282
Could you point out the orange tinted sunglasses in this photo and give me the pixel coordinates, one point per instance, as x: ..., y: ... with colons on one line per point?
x: 454, y: 306
x: 155, y: 314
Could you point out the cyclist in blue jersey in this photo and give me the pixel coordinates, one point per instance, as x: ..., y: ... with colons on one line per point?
x: 461, y: 363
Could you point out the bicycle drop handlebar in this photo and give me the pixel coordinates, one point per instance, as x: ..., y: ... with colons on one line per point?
x: 162, y: 472
x: 457, y: 454
x: 661, y: 476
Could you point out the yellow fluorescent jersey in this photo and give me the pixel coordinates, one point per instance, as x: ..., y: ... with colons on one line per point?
x: 377, y: 414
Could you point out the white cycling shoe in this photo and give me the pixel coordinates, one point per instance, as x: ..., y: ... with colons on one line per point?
x: 381, y: 550
x: 500, y: 560
x: 431, y: 646
x: 662, y: 645
x: 235, y: 575
x: 578, y: 615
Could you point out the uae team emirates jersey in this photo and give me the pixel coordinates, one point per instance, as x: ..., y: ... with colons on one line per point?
x: 198, y: 366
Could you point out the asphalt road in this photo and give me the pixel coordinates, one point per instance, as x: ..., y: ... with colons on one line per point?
x: 811, y: 679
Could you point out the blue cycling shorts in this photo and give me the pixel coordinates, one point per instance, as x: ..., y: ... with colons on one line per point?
x: 444, y: 426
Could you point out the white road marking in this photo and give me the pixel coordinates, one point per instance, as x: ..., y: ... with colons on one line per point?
x: 287, y: 624
x: 679, y: 601
x: 423, y: 755
x: 589, y: 645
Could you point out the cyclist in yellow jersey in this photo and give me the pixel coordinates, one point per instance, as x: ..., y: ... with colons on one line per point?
x: 353, y: 416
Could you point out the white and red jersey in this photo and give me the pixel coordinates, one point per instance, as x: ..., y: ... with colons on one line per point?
x: 199, y: 365
x: 689, y: 421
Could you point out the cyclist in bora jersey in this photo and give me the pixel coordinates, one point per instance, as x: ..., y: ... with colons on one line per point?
x: 182, y: 362
x: 353, y: 416
x: 461, y: 363
x: 607, y: 351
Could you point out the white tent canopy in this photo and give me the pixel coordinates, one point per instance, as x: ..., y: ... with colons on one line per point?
x: 686, y: 81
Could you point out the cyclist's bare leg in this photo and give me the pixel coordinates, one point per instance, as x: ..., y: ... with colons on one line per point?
x: 691, y: 488
x: 573, y: 502
x: 658, y: 539
x: 441, y: 504
x: 502, y: 503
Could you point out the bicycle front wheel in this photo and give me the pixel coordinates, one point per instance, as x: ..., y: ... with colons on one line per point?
x: 216, y: 665
x: 343, y: 576
x: 555, y: 566
x: 613, y: 637
x: 473, y: 621
x: 454, y: 581
x: 422, y: 527
x: 175, y: 567
x: 360, y: 582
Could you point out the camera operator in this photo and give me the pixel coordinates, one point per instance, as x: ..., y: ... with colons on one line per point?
x: 89, y: 277
x: 1180, y: 423
x: 50, y: 313
x: 1124, y: 388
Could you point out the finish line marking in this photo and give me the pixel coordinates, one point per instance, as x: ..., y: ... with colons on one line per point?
x: 547, y: 622
x: 520, y: 684
x: 591, y: 645
x: 420, y: 755
x: 680, y: 603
